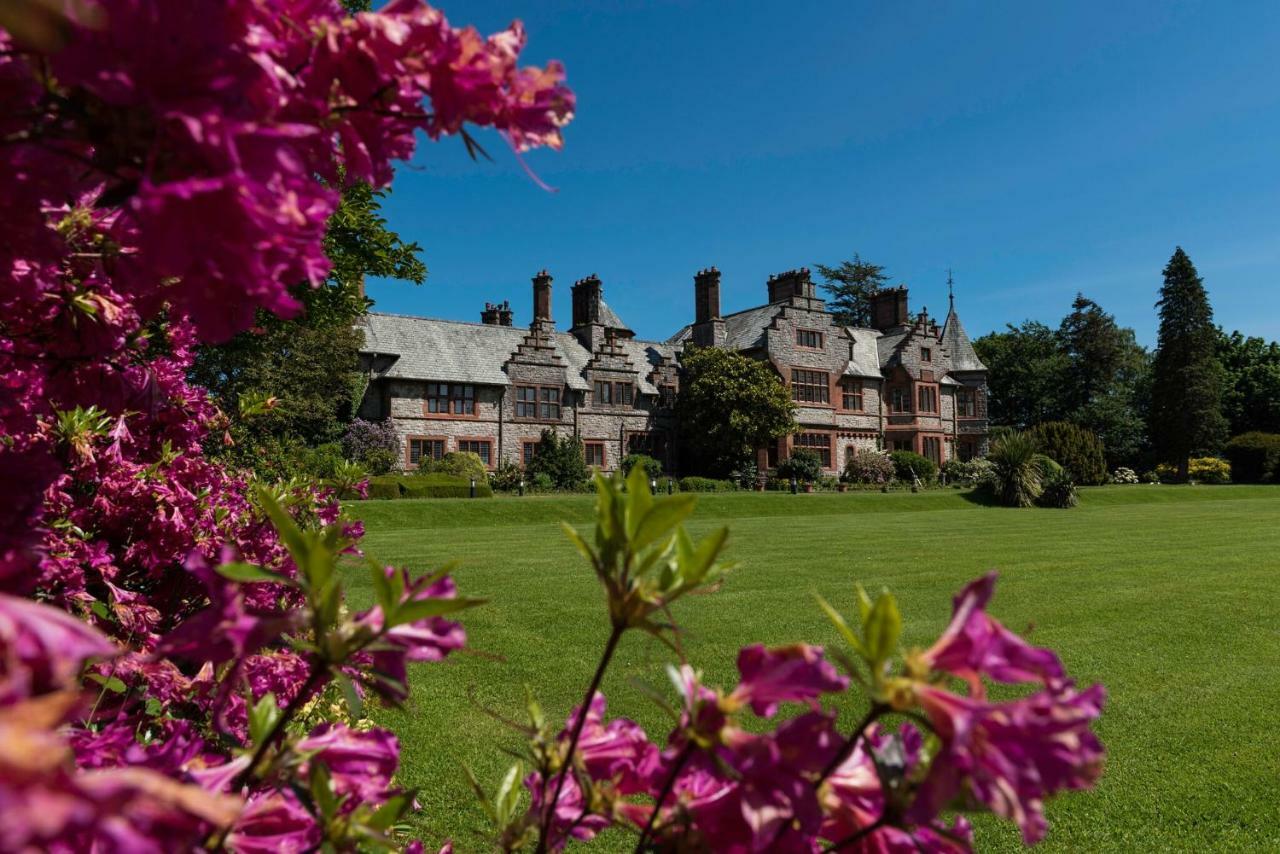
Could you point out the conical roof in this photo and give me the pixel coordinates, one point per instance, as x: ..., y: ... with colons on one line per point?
x: 956, y: 342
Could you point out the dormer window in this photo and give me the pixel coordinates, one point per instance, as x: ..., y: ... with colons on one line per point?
x: 926, y: 355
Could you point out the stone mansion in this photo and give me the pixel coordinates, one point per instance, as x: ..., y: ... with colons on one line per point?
x: 492, y: 387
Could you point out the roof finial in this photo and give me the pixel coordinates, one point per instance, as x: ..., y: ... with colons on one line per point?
x: 951, y: 293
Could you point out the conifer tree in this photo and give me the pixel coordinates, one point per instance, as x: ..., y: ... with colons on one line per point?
x: 849, y: 288
x: 1186, y: 394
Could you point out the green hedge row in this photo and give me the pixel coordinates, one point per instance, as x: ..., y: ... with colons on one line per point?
x: 706, y: 484
x: 390, y: 486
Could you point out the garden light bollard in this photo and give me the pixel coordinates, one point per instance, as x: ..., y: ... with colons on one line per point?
x: 669, y: 487
x: 473, y: 487
x: 795, y: 486
x: 653, y: 486
x: 521, y: 487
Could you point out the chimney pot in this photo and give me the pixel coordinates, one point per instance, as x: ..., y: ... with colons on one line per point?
x: 542, y: 296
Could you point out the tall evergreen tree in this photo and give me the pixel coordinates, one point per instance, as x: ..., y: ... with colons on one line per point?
x: 849, y: 287
x: 1105, y: 377
x: 1187, y: 378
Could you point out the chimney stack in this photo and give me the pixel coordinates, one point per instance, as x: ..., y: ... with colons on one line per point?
x: 706, y: 295
x: 496, y: 314
x: 542, y: 297
x: 708, y: 326
x: 792, y: 283
x: 889, y: 308
x: 586, y: 301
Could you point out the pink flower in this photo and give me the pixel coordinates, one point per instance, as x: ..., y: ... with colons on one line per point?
x: 427, y: 639
x: 42, y: 649
x: 360, y: 763
x: 796, y: 673
x: 618, y: 752
x: 1011, y: 756
x: 571, y: 818
x: 274, y: 823
x: 976, y: 645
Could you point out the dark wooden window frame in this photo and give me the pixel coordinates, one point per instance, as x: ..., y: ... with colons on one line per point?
x: 819, y: 443
x: 810, y: 386
x: 853, y: 395
x: 408, y: 448
x: 803, y: 336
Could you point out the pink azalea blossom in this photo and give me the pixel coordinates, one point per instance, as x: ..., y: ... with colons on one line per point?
x: 796, y: 673
x: 618, y: 752
x: 42, y: 649
x: 1011, y: 756
x: 975, y: 644
x: 360, y: 763
x: 274, y: 823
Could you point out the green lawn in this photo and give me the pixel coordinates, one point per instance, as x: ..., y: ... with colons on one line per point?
x: 1168, y: 595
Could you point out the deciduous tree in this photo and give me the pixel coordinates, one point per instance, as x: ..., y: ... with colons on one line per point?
x: 729, y: 405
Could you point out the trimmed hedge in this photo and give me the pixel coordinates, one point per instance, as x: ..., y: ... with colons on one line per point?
x: 706, y: 484
x: 1255, y: 457
x: 425, y: 486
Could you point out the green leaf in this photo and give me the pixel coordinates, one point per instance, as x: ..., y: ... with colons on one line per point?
x: 864, y: 605
x: 109, y: 683
x: 583, y: 547
x: 420, y: 609
x: 99, y: 609
x: 390, y: 812
x: 663, y: 517
x: 354, y: 704
x: 288, y: 529
x: 841, y: 626
x: 507, y: 797
x: 481, y: 795
x: 244, y: 572
x: 263, y: 716
x: 884, y: 626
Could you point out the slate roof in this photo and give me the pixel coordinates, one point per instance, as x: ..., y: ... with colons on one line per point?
x: 610, y: 319
x: 956, y: 342
x: 456, y: 351
x: 743, y: 330
x: 866, y: 353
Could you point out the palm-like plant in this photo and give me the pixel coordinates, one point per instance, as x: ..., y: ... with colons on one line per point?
x: 1017, y: 476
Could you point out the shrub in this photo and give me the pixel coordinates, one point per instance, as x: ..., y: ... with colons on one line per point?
x: 439, y: 485
x: 384, y: 487
x: 462, y: 464
x: 506, y: 477
x: 561, y: 459
x: 970, y: 472
x: 1209, y: 470
x: 866, y: 465
x: 1255, y: 457
x: 1017, y: 477
x: 804, y: 465
x: 1059, y: 491
x: 746, y: 475
x: 1124, y: 475
x: 1150, y: 477
x: 542, y: 482
x: 373, y: 444
x: 1076, y: 449
x: 908, y: 466
x: 1048, y: 466
x: 347, y: 478
x: 706, y: 484
x: 651, y: 467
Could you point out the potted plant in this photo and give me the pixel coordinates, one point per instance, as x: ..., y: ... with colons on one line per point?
x: 803, y: 465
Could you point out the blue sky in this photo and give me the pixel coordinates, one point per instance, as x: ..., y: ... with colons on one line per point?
x: 1036, y: 149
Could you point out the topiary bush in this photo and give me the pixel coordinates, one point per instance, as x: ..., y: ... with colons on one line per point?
x: 706, y: 484
x: 804, y: 465
x: 867, y: 466
x: 1254, y: 457
x: 439, y: 485
x: 1017, y: 475
x: 651, y: 467
x: 908, y: 466
x: 384, y: 487
x: 1059, y: 492
x: 462, y: 464
x: 1073, y: 447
